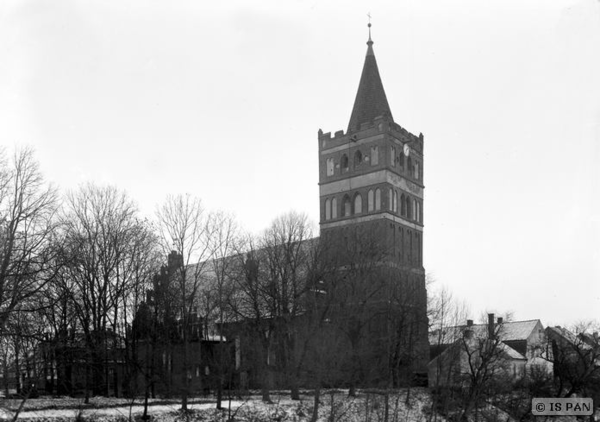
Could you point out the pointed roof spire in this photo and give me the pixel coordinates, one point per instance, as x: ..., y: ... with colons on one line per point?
x: 370, y: 99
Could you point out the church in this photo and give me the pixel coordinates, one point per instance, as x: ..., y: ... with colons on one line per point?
x: 352, y: 312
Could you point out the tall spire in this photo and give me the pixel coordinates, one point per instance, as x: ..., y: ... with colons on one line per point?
x: 370, y: 101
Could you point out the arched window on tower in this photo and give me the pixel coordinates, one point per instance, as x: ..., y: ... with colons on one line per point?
x: 401, y: 159
x: 346, y: 206
x: 357, y: 204
x: 416, y: 170
x: 409, y: 166
x: 402, y: 205
x: 395, y: 201
x: 327, y: 209
x: 357, y: 158
x: 344, y: 162
x: 330, y: 167
x: 418, y: 215
x: 370, y: 201
x: 374, y: 155
x: 408, y: 208
x: 392, y: 156
x: 377, y: 199
x: 334, y: 208
x: 414, y: 205
x: 390, y: 200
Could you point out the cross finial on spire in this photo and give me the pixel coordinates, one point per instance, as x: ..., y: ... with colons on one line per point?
x: 370, y: 42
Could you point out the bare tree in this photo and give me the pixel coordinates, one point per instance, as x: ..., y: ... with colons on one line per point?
x: 185, y: 227
x: 444, y: 313
x: 575, y: 355
x: 270, y: 299
x: 285, y: 247
x: 137, y: 268
x: 24, y: 332
x: 252, y: 325
x: 486, y: 371
x: 102, y: 254
x: 27, y: 211
x: 224, y: 244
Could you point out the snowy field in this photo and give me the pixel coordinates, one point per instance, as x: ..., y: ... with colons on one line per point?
x: 334, y: 406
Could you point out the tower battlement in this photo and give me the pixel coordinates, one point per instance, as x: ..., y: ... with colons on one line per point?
x: 379, y: 125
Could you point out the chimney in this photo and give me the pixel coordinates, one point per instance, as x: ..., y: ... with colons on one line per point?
x: 469, y: 323
x: 490, y: 325
x: 174, y: 259
x: 500, y: 320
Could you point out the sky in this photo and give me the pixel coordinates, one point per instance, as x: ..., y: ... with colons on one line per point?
x: 223, y: 100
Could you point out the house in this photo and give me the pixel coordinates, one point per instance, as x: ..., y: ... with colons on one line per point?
x: 470, y: 357
x: 577, y: 353
x: 173, y: 351
x: 520, y: 348
x: 69, y: 365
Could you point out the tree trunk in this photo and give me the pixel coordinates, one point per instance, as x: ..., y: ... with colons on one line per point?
x: 185, y: 378
x: 295, y: 391
x: 17, y: 369
x: 145, y: 416
x: 386, y: 399
x: 219, y: 391
x: 266, y: 386
x: 352, y: 390
x: 315, y: 415
x: 5, y: 364
x: 88, y: 369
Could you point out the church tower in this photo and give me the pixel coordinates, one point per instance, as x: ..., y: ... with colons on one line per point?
x: 371, y: 187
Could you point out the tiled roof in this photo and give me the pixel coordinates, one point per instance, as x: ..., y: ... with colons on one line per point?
x: 517, y: 330
x: 511, y: 353
x: 473, y: 344
x: 577, y: 340
x: 370, y: 99
x: 510, y: 331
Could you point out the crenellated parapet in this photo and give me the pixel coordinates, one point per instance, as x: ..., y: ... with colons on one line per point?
x: 380, y: 125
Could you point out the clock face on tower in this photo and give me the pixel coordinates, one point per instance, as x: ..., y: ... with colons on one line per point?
x: 406, y: 150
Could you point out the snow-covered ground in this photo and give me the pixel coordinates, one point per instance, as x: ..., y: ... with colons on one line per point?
x: 334, y: 406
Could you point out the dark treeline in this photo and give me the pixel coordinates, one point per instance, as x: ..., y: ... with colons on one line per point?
x: 97, y: 300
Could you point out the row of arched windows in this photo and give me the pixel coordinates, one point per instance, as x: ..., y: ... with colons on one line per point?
x: 358, y: 159
x: 353, y: 206
x: 407, y: 164
x: 409, y: 207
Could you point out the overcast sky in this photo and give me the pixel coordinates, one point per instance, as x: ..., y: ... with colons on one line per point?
x: 223, y: 100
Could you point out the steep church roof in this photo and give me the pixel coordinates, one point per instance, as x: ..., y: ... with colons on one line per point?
x: 370, y: 99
